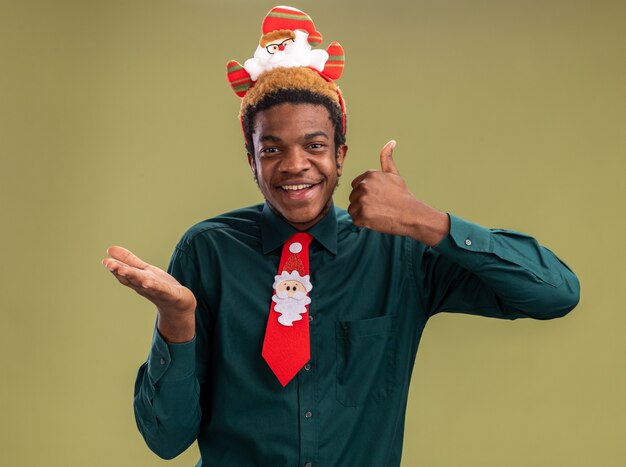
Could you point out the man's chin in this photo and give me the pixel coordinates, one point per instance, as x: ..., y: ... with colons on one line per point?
x: 301, y: 218
x: 305, y: 221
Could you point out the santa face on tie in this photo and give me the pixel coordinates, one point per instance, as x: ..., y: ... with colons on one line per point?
x: 284, y: 49
x: 291, y: 296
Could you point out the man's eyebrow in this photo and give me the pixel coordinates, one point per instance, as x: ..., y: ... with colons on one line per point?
x: 274, y: 139
x: 315, y: 135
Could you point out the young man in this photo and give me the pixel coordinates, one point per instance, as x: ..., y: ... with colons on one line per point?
x: 315, y: 371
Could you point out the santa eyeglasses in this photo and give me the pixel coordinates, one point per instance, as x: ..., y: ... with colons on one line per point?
x: 273, y: 48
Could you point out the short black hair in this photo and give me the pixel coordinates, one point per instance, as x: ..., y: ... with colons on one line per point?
x: 292, y: 96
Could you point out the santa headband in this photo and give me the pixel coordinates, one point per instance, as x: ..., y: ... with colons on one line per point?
x: 285, y: 59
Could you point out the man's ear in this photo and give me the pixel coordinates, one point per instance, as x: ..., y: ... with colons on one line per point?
x: 252, y: 163
x: 342, y: 151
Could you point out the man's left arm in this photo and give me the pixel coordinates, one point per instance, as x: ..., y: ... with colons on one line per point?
x: 469, y: 268
x: 495, y: 272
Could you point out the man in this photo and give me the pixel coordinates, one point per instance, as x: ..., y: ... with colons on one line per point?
x: 315, y: 372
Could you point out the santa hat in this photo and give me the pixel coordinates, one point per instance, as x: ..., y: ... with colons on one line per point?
x: 293, y: 262
x: 286, y: 17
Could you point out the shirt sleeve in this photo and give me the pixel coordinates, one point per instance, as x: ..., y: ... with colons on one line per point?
x: 495, y: 272
x: 167, y: 391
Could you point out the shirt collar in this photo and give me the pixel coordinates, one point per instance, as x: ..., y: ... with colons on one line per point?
x: 275, y: 230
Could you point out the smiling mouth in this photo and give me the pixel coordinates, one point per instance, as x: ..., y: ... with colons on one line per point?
x: 297, y: 187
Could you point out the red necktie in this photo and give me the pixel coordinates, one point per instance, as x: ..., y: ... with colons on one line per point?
x: 286, y: 346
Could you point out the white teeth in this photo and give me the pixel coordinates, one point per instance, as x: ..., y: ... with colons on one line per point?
x: 295, y: 187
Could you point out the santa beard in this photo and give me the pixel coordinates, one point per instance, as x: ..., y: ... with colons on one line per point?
x: 290, y: 308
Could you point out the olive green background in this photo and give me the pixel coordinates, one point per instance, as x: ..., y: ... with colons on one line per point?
x: 117, y: 127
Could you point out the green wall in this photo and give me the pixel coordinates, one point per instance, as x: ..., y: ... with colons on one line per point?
x: 117, y: 127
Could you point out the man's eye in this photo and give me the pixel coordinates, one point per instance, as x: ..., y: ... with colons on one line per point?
x: 269, y: 150
x: 316, y: 146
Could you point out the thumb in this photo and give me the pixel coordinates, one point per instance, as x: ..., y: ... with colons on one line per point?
x: 387, y: 164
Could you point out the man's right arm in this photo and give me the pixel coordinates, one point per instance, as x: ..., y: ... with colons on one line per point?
x: 167, y: 407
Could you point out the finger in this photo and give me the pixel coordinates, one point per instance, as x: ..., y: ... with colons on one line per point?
x: 356, y: 193
x: 357, y: 220
x: 105, y: 262
x: 133, y: 275
x: 387, y: 164
x: 354, y: 209
x: 111, y: 264
x: 122, y: 279
x: 360, y: 178
x: 140, y: 283
x: 150, y: 282
x: 144, y: 291
x: 119, y: 267
x: 354, y: 196
x: 126, y: 256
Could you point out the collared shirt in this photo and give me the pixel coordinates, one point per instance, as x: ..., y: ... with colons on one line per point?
x: 372, y: 295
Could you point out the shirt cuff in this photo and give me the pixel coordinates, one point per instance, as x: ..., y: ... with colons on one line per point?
x: 474, y: 247
x: 171, y: 362
x: 464, y: 239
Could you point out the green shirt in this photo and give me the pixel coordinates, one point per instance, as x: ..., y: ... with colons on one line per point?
x: 372, y: 295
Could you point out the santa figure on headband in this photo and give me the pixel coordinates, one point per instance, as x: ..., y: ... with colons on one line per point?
x: 284, y: 48
x: 289, y: 36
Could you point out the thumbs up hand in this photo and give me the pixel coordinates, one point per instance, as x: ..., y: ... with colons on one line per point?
x: 381, y: 201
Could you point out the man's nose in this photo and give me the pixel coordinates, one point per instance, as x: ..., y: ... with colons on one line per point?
x: 294, y: 161
x: 281, y: 47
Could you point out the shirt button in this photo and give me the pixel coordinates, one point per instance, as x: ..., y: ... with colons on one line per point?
x: 308, y: 464
x: 468, y: 242
x: 310, y: 318
x: 162, y: 361
x: 308, y: 414
x: 307, y: 367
